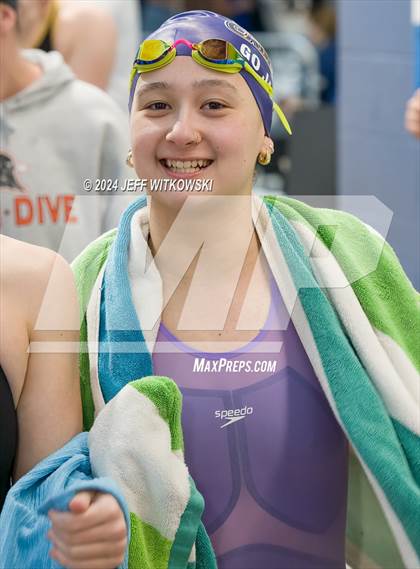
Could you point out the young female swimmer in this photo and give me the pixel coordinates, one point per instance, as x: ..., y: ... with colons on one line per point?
x: 203, y: 287
x: 225, y: 317
x: 40, y: 408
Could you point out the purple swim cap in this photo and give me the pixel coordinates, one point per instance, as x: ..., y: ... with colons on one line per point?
x: 200, y: 25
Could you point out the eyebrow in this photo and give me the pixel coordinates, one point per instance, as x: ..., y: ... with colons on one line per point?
x: 146, y: 87
x: 213, y: 83
x: 206, y: 83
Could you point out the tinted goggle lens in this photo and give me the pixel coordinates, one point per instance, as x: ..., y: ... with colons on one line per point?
x: 215, y: 50
x: 212, y: 49
x: 152, y: 50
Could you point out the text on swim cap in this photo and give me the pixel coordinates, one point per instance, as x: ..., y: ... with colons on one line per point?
x: 253, y: 59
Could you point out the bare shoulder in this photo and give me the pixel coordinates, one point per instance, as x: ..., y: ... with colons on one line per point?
x: 73, y: 12
x: 26, y: 266
x: 75, y: 19
x: 22, y: 260
x: 29, y: 275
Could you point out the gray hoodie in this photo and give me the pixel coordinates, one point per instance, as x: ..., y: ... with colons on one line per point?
x: 54, y: 135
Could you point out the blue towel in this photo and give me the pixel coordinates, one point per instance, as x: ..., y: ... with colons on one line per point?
x: 51, y: 484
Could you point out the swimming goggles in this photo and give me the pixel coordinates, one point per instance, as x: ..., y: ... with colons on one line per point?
x: 216, y: 54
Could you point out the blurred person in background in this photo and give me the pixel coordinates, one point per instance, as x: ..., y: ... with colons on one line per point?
x: 412, y: 115
x: 82, y: 32
x: 322, y: 21
x: 55, y: 133
x: 320, y: 28
x: 128, y: 25
x: 95, y: 37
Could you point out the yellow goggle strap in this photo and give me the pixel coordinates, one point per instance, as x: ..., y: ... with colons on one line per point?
x: 282, y: 118
x: 269, y: 89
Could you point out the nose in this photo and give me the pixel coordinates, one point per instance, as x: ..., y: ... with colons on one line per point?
x: 184, y: 131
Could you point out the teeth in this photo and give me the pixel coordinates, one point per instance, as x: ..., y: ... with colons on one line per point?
x: 187, y: 165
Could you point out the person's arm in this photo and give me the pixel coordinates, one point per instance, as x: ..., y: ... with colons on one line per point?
x: 49, y: 407
x: 86, y: 36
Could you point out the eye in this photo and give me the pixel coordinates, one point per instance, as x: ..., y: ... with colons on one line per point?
x: 214, y: 105
x: 158, y: 106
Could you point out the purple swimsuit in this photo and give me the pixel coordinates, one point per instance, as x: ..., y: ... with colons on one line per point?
x: 264, y: 449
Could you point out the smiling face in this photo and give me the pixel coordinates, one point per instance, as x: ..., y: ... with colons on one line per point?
x: 191, y: 122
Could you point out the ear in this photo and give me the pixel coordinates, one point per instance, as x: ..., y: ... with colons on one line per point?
x: 7, y: 19
x: 267, y: 145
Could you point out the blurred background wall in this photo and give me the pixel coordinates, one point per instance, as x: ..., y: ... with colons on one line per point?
x: 376, y: 156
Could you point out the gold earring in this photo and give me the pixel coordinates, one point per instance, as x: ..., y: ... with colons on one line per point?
x: 129, y: 159
x: 264, y: 158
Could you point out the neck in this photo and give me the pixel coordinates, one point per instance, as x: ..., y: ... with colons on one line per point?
x: 219, y: 228
x: 16, y: 73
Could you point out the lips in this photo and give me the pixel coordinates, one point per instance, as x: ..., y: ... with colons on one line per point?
x: 185, y: 166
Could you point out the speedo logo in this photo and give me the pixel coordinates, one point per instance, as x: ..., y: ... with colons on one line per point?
x: 232, y: 415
